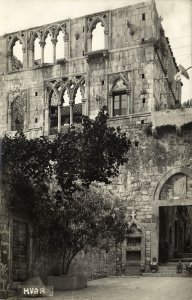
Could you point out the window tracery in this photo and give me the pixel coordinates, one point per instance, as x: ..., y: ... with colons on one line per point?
x: 92, y: 22
x: 53, y: 35
x: 65, y: 102
x: 17, y: 108
x: 120, y: 97
x: 17, y: 114
x: 16, y: 49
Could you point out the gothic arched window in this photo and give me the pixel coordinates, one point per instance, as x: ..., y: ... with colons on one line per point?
x: 17, y: 55
x: 98, y: 37
x: 53, y: 113
x: 120, y: 99
x: 17, y: 114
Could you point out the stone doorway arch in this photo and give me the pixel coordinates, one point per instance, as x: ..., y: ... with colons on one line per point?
x: 173, y: 190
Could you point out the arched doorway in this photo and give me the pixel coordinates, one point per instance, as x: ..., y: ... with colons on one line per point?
x: 173, y: 210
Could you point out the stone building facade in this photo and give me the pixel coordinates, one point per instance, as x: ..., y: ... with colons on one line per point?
x: 133, y: 75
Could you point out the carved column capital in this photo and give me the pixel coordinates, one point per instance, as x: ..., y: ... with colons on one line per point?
x: 31, y: 47
x: 89, y: 35
x: 54, y: 41
x: 42, y: 44
x: 66, y: 38
x: 71, y: 102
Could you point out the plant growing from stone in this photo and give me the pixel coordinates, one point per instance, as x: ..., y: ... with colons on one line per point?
x: 52, y: 180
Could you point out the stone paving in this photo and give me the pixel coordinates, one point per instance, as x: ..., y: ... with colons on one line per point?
x: 132, y: 288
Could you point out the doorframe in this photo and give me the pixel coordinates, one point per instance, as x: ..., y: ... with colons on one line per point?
x: 17, y: 217
x: 158, y: 203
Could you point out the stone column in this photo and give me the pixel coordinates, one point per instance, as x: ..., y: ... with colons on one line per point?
x: 71, y: 102
x: 155, y: 233
x: 31, y: 55
x: 129, y: 104
x: 59, y: 117
x: 66, y: 46
x: 46, y: 120
x: 89, y: 41
x: 54, y: 42
x: 42, y: 44
x: 106, y: 40
x: 24, y: 57
x: 84, y: 108
x: 110, y: 104
x: 25, y: 118
x: 9, y: 59
x: 9, y: 117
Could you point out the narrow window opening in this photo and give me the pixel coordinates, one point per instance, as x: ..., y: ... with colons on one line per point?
x: 143, y: 16
x: 136, y: 144
x: 36, y: 94
x: 37, y: 52
x: 65, y: 110
x: 83, y: 53
x: 143, y: 76
x: 36, y: 120
x: 77, y: 109
x: 98, y: 37
x: 142, y: 121
x: 60, y: 46
x: 77, y: 36
x: 103, y: 82
x: 143, y: 100
x: 48, y: 50
x: 18, y: 114
x: 120, y: 105
x: 17, y: 56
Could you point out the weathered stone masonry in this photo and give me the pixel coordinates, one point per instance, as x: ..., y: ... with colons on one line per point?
x: 133, y: 76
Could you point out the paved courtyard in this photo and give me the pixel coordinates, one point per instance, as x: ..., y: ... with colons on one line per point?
x: 132, y: 288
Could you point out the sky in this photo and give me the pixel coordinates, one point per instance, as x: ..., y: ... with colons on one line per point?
x: 177, y: 21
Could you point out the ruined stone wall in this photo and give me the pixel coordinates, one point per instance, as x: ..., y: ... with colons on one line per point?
x: 129, y: 33
x: 129, y: 59
x: 149, y: 160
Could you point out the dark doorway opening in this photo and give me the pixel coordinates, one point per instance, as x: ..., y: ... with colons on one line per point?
x: 20, y: 251
x: 175, y: 233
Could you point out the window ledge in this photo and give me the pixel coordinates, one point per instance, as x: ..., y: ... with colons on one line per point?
x: 44, y: 65
x: 130, y: 116
x: 103, y: 53
x: 61, y: 61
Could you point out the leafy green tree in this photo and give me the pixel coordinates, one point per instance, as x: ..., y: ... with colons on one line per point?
x: 51, y: 178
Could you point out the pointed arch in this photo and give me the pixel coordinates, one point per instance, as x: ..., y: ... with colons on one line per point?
x: 60, y: 47
x: 13, y: 40
x: 45, y: 33
x: 17, y: 108
x: 123, y: 80
x: 33, y: 36
x: 95, y: 21
x: 92, y: 22
x: 178, y: 170
x: 120, y: 96
x: 133, y: 248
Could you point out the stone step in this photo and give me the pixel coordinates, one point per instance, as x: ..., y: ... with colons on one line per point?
x: 165, y: 274
x: 187, y: 255
x: 184, y: 260
x: 171, y: 268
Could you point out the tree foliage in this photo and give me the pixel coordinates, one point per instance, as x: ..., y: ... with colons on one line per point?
x: 51, y: 178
